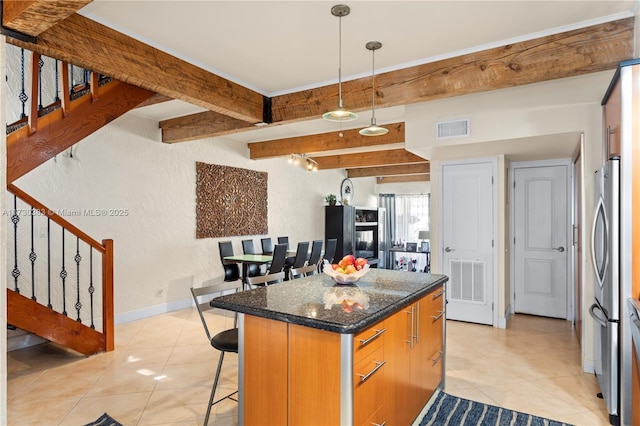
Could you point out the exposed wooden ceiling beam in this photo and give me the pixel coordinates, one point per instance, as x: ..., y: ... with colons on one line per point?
x: 155, y: 99
x: 83, y: 42
x: 401, y: 179
x: 199, y: 126
x: 582, y: 51
x: 33, y: 17
x: 324, y: 142
x: 591, y: 49
x: 368, y: 159
x: 401, y: 169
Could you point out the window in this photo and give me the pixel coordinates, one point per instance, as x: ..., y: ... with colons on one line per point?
x: 412, y: 216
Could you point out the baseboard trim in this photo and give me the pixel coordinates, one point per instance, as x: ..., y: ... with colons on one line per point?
x: 588, y: 366
x: 503, y: 321
x: 153, y: 310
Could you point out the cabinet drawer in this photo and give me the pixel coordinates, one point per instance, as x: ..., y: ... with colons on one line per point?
x: 376, y: 418
x: 368, y: 383
x: 368, y: 341
x: 436, y: 299
x: 435, y: 371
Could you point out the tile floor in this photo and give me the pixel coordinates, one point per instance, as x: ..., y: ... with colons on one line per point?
x: 162, y: 370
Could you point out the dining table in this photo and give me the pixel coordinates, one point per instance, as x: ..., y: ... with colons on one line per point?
x: 256, y: 259
x: 248, y: 259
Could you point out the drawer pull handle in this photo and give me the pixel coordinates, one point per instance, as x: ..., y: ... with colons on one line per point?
x: 437, y: 317
x: 365, y: 377
x: 372, y: 338
x: 438, y: 295
x: 417, y: 323
x: 436, y: 360
x: 379, y: 424
x: 410, y: 341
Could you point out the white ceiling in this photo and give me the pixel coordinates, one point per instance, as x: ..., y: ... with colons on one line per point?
x: 276, y: 47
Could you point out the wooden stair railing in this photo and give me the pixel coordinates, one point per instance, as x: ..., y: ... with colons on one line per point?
x: 69, y: 122
x: 28, y: 314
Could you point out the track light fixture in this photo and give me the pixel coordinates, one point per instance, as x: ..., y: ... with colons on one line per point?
x: 303, y: 161
x: 340, y: 114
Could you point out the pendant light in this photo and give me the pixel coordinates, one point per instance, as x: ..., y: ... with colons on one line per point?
x: 340, y: 114
x: 373, y: 129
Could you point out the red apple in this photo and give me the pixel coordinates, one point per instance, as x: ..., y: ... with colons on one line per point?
x: 361, y: 261
x: 349, y: 259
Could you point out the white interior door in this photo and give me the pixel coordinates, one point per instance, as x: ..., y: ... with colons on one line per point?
x: 541, y: 246
x: 467, y: 240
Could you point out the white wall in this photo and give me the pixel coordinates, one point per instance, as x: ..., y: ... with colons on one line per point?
x: 404, y: 188
x: 157, y: 257
x: 512, y: 114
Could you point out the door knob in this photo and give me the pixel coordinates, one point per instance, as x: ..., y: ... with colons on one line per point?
x: 449, y: 249
x: 560, y: 249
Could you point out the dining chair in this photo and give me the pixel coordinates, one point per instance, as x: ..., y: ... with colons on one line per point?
x: 268, y: 279
x: 248, y: 248
x: 267, y: 245
x: 284, y: 240
x: 278, y: 260
x: 224, y: 341
x: 275, y: 272
x: 316, y: 252
x: 231, y: 269
x: 304, y: 271
x: 299, y: 259
x: 330, y: 249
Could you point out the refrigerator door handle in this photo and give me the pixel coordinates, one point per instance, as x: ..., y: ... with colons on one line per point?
x: 594, y: 260
x: 602, y: 322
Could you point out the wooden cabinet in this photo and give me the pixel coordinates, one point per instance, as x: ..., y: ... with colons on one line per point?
x: 414, y: 352
x: 297, y: 375
x: 356, y: 230
x: 368, y: 383
x: 611, y: 116
x: 339, y: 223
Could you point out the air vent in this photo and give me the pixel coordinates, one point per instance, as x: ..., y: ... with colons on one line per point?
x: 452, y: 129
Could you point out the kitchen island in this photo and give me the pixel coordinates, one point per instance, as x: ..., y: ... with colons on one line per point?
x: 312, y: 352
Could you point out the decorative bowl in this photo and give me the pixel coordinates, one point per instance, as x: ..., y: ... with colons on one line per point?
x: 344, y: 279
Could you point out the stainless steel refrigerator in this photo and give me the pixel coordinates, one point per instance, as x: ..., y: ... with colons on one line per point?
x: 606, y: 309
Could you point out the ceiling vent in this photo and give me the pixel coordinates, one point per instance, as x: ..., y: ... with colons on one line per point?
x: 452, y: 129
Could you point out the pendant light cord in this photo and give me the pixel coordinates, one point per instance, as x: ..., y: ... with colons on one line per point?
x: 340, y: 62
x: 373, y: 85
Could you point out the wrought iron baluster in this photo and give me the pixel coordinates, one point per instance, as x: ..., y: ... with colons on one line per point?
x: 77, y: 259
x: 32, y: 258
x: 15, y: 218
x: 71, y: 84
x: 63, y: 275
x: 91, y: 287
x: 49, y: 305
x: 23, y: 94
x: 40, y: 65
x: 57, y: 82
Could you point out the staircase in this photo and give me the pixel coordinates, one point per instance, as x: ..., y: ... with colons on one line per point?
x: 66, y: 296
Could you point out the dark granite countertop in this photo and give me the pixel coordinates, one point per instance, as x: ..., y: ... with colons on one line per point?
x: 316, y: 301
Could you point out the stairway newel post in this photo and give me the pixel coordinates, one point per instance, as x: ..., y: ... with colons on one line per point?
x: 107, y: 295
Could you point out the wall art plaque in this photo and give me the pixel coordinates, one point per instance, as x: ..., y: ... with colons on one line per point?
x: 230, y: 201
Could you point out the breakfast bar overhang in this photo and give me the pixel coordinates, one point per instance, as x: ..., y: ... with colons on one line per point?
x: 313, y: 352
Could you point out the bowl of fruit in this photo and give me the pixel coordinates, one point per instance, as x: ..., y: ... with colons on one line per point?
x: 348, y: 270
